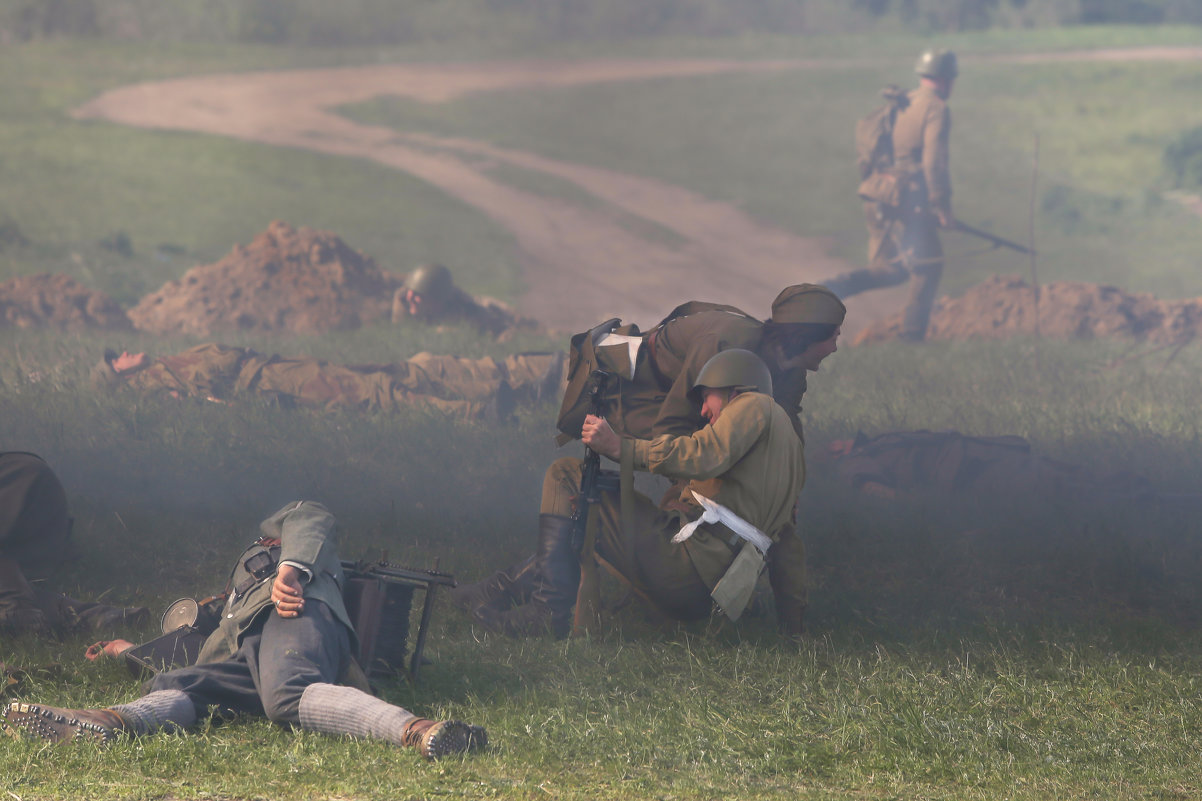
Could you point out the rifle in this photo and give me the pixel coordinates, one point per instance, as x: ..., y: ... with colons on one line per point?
x: 590, y: 479
x: 996, y: 241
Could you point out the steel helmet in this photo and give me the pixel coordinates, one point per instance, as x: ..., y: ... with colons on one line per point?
x: 432, y: 281
x: 937, y: 64
x: 735, y: 368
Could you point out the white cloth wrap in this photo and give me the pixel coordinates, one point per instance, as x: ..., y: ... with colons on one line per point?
x: 717, y: 513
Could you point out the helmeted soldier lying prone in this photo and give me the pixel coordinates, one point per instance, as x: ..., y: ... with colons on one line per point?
x: 469, y: 388
x: 430, y: 296
x: 283, y: 643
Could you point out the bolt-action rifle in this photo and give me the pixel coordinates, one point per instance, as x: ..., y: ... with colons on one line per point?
x: 590, y: 478
x: 592, y: 481
x: 996, y: 241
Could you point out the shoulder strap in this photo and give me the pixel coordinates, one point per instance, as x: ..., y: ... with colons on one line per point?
x: 697, y: 306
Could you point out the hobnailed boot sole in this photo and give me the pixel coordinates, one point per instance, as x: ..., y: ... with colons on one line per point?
x: 447, y: 738
x: 58, y: 726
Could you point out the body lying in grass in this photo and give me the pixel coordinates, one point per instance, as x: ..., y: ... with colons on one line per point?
x: 283, y: 643
x: 470, y: 388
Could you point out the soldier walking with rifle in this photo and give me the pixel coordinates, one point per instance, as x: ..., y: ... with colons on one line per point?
x: 906, y: 188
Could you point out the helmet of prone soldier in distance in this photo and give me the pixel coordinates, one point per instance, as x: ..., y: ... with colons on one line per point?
x: 735, y: 368
x: 431, y: 281
x: 939, y: 64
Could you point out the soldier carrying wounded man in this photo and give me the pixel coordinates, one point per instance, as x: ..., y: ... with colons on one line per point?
x: 740, y: 477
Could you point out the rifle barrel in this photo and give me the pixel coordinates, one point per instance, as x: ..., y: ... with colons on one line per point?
x: 996, y: 241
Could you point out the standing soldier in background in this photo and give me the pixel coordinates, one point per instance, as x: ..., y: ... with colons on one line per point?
x: 907, y: 192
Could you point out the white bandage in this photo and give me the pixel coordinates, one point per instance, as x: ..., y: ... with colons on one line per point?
x: 717, y: 513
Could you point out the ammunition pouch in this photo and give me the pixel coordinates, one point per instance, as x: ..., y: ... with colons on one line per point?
x: 883, y: 188
x: 734, y: 590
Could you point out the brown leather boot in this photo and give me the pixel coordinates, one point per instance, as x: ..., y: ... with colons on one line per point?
x: 63, y: 725
x: 500, y: 590
x: 435, y: 739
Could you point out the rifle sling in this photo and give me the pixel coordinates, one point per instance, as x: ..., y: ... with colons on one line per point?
x: 626, y: 502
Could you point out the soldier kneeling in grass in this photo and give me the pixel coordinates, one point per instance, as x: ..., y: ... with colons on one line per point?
x: 283, y: 642
x: 744, y: 471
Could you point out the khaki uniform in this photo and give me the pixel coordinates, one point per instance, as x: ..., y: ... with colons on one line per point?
x: 904, y: 244
x: 952, y: 464
x: 748, y: 461
x: 488, y: 316
x: 457, y: 386
x: 656, y: 401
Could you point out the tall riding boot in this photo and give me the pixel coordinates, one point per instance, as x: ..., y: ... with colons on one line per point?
x: 555, y: 586
x: 18, y: 605
x: 501, y: 590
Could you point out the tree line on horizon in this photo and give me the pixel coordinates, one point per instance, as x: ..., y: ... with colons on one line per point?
x: 396, y: 22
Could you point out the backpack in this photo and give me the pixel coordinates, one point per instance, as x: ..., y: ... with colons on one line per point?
x: 874, y: 133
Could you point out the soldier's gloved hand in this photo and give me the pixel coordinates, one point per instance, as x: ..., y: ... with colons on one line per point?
x: 288, y: 591
x: 945, y: 219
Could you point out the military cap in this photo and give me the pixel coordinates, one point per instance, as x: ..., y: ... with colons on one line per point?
x: 937, y: 64
x: 808, y: 303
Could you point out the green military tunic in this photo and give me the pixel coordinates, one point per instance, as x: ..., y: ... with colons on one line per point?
x: 306, y: 534
x: 749, y: 461
x: 656, y: 401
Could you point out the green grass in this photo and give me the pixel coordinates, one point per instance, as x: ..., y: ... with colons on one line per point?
x: 780, y: 147
x: 1030, y: 650
x: 955, y: 650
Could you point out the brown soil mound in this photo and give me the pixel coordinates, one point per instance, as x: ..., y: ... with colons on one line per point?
x: 298, y: 280
x: 56, y: 301
x: 1004, y: 306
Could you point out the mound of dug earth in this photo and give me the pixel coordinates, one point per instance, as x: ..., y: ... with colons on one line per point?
x: 299, y: 280
x: 1004, y: 306
x: 56, y: 301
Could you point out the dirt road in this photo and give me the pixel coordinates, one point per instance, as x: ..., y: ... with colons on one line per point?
x: 581, y: 264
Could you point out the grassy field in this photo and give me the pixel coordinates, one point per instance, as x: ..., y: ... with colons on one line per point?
x: 780, y: 147
x: 1023, y: 649
x: 993, y: 649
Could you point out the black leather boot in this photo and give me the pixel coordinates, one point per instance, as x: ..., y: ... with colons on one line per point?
x: 501, y: 590
x: 556, y: 583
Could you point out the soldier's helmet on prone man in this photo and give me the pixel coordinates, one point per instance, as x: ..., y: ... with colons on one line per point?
x: 431, y: 281
x: 734, y: 368
x: 937, y: 64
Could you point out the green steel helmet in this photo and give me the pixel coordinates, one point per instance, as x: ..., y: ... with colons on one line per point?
x: 735, y: 368
x: 937, y: 64
x: 432, y: 281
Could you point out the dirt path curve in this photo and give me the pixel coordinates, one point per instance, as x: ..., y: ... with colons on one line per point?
x: 580, y: 264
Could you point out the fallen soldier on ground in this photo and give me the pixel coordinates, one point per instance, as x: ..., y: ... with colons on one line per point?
x: 904, y: 463
x: 485, y: 388
x: 283, y: 643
